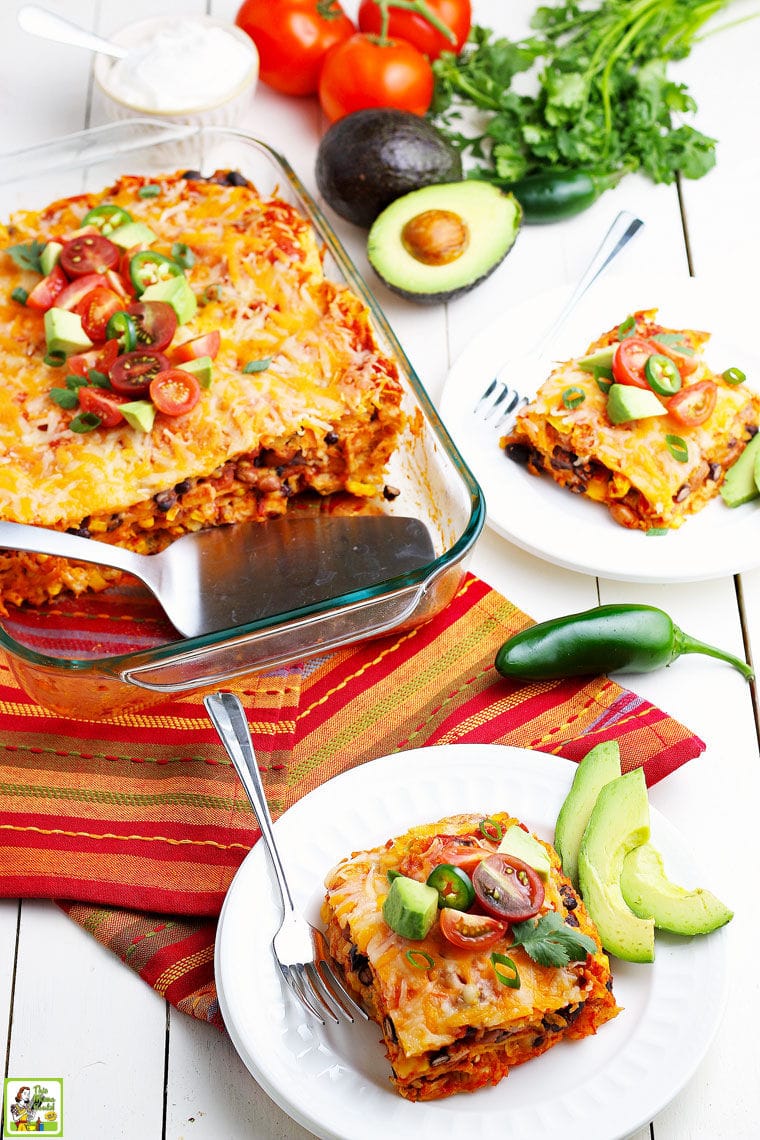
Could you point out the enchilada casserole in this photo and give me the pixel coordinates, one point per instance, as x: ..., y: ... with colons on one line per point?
x: 467, y: 995
x: 652, y: 458
x: 174, y: 358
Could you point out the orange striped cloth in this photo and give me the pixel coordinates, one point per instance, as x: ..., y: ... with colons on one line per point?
x: 140, y: 823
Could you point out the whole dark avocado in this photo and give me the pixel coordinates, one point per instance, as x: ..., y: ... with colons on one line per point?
x: 369, y: 158
x: 441, y: 241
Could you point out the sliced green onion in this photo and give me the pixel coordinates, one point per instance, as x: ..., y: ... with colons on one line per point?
x: 55, y: 358
x: 149, y: 191
x: 731, y: 375
x: 183, y: 255
x: 19, y: 295
x: 602, y: 383
x: 678, y: 448
x: 505, y: 970
x: 85, y: 421
x: 573, y: 397
x: 211, y: 293
x: 420, y: 960
x: 656, y: 530
x: 628, y: 328
x: 63, y: 397
x: 122, y: 327
x: 257, y: 365
x: 491, y: 829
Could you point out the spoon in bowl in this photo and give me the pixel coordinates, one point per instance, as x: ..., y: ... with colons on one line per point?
x: 39, y: 22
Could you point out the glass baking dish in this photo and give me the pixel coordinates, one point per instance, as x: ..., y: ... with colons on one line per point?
x: 79, y: 673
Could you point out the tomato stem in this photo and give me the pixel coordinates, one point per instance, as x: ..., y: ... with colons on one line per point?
x: 421, y: 8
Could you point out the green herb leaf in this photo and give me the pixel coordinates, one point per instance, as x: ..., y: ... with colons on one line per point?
x: 27, y: 256
x: 19, y: 295
x: 73, y: 382
x: 628, y: 328
x: 257, y: 365
x: 63, y: 397
x: 551, y: 942
x: 573, y: 397
x: 97, y: 379
x: 675, y: 340
x: 678, y: 448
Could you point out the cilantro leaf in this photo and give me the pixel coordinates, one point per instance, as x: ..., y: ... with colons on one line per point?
x: 550, y: 942
x: 28, y: 255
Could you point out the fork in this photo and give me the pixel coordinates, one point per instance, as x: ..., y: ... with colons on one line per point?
x: 503, y: 401
x: 300, y: 950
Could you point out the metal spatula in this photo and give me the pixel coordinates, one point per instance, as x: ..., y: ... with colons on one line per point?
x: 228, y: 576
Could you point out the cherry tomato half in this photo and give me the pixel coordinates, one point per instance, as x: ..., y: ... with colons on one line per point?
x: 471, y: 931
x: 96, y: 309
x: 694, y: 404
x: 102, y: 403
x: 89, y: 253
x: 46, y: 292
x: 100, y: 359
x: 206, y: 345
x: 686, y: 361
x: 156, y: 323
x: 132, y: 372
x: 508, y: 888
x: 413, y: 27
x: 175, y: 391
x: 78, y: 289
x: 293, y: 37
x: 629, y: 361
x: 361, y: 73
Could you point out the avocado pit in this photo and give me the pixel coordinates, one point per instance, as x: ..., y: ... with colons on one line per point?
x: 435, y: 237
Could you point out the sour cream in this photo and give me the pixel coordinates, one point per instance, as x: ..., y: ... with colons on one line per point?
x: 179, y: 66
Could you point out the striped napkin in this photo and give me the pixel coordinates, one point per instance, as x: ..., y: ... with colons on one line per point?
x: 136, y: 826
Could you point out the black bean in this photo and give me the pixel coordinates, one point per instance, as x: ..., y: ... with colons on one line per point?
x: 184, y: 486
x: 389, y: 1029
x: 235, y: 178
x: 715, y: 471
x: 518, y: 453
x: 331, y: 438
x: 83, y: 530
x: 571, y: 920
x: 440, y: 1057
x: 192, y: 176
x: 682, y: 493
x: 165, y: 500
x: 390, y: 493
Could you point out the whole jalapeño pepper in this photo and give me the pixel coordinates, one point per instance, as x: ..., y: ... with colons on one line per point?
x: 606, y: 639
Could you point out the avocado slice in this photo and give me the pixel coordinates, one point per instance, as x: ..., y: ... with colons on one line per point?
x: 202, y: 368
x: 64, y: 332
x: 410, y: 907
x: 179, y: 295
x: 740, y: 485
x: 598, y: 361
x: 131, y: 234
x: 441, y: 241
x: 650, y: 894
x: 524, y: 846
x: 596, y: 769
x: 618, y: 824
x: 371, y: 157
x: 139, y: 414
x: 50, y: 256
x: 625, y: 403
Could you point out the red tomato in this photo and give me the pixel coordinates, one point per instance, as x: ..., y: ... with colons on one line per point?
x: 96, y: 310
x: 415, y: 29
x: 156, y: 323
x: 361, y: 73
x: 686, y: 362
x: 694, y: 404
x: 46, y: 292
x: 471, y: 931
x: 293, y: 37
x: 508, y: 888
x: 175, y: 391
x: 207, y: 345
x: 100, y: 359
x: 90, y: 253
x: 103, y: 404
x: 132, y: 372
x: 77, y: 290
x: 629, y: 360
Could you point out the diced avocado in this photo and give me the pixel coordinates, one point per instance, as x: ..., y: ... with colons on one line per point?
x: 410, y: 907
x: 202, y: 369
x: 179, y: 295
x: 740, y: 485
x: 442, y: 240
x: 599, y: 360
x: 757, y: 470
x: 596, y: 769
x: 49, y: 256
x: 624, y: 403
x: 618, y: 824
x: 131, y: 234
x: 64, y: 332
x: 523, y: 846
x: 650, y: 894
x: 139, y: 414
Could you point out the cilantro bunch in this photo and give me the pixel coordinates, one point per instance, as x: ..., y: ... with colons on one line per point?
x: 604, y: 101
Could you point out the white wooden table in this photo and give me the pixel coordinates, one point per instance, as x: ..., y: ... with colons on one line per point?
x: 134, y: 1067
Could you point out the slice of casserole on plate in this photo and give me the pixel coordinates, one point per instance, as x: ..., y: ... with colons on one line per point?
x: 174, y: 358
x: 461, y: 994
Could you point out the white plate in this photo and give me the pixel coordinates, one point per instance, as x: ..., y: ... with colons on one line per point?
x: 570, y: 530
x: 334, y: 1081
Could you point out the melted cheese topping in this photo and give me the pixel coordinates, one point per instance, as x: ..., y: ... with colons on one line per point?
x: 261, y: 258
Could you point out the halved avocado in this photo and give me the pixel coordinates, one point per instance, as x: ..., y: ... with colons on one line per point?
x: 441, y: 241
